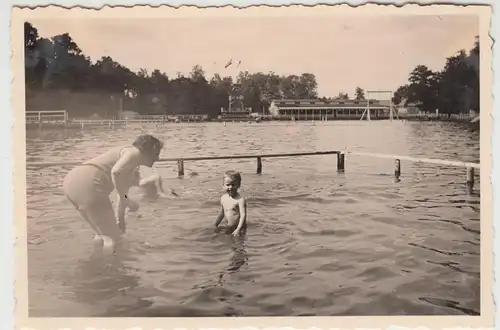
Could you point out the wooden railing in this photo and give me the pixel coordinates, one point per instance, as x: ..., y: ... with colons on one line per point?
x: 340, y: 161
x: 39, y: 117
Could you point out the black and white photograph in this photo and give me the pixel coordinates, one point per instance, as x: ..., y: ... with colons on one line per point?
x: 319, y: 161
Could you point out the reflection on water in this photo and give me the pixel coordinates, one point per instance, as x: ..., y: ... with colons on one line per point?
x: 104, y: 283
x: 318, y: 242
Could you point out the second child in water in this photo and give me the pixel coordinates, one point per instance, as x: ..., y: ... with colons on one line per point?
x: 151, y: 187
x: 233, y: 205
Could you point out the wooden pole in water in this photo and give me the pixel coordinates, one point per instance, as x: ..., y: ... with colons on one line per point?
x: 340, y: 162
x: 470, y: 179
x: 180, y: 167
x: 397, y: 168
x: 259, y: 165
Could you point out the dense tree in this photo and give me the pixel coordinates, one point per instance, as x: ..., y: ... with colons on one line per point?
x: 359, y: 94
x: 423, y: 87
x: 401, y: 94
x: 454, y: 89
x: 342, y: 96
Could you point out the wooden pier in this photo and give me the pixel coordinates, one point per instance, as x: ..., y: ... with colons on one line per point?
x: 341, y: 165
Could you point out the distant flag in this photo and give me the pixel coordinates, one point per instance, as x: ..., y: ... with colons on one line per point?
x: 228, y: 64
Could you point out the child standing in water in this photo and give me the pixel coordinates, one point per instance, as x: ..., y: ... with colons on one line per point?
x: 233, y: 205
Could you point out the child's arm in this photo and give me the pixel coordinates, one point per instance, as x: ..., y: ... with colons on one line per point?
x: 159, y: 186
x: 148, y: 180
x: 158, y: 182
x: 220, y: 216
x: 242, y: 204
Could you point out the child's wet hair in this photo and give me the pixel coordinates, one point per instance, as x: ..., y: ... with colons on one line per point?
x: 233, y: 175
x: 147, y: 143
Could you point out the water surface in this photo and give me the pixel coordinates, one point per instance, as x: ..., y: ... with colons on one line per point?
x: 318, y: 242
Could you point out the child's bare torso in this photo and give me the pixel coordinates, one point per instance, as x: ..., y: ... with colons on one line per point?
x: 231, y: 209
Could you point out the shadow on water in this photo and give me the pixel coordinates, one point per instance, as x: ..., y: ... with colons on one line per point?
x: 200, y: 299
x: 239, y: 256
x: 106, y: 283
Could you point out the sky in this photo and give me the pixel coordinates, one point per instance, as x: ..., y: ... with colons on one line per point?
x: 372, y: 52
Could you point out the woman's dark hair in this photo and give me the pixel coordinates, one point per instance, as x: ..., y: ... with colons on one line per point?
x: 147, y: 143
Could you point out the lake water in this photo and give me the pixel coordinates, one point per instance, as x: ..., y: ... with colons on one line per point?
x: 318, y: 243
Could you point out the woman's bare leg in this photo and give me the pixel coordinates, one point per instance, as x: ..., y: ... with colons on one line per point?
x: 101, y: 217
x: 97, y: 240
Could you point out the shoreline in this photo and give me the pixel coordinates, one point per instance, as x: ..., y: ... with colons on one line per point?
x: 110, y: 123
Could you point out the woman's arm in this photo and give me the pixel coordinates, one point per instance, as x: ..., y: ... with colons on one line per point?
x: 120, y: 173
x: 121, y: 206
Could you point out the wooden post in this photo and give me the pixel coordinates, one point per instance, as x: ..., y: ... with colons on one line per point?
x: 180, y: 167
x: 259, y: 165
x: 340, y: 162
x: 39, y: 120
x: 470, y: 179
x: 397, y: 168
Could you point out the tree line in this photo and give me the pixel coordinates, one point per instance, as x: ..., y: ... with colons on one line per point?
x: 453, y: 89
x: 58, y: 75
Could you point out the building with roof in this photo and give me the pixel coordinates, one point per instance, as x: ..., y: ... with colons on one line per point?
x: 236, y: 109
x: 235, y: 113
x: 329, y: 109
